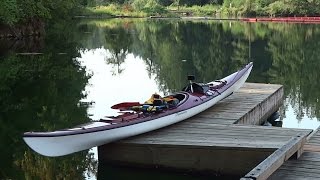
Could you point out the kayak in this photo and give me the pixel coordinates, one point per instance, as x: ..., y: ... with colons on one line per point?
x: 136, y: 118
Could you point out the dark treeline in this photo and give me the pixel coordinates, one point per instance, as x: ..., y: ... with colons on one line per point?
x: 163, y: 2
x: 13, y: 11
x: 237, y: 7
x: 17, y: 11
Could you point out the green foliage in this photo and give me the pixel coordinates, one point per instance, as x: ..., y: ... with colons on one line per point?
x: 206, y: 10
x: 113, y: 10
x: 293, y: 7
x: 13, y: 11
x: 271, y: 7
x: 148, y: 6
x: 139, y: 4
x: 278, y: 8
x: 30, y: 9
x: 9, y: 13
x: 264, y: 3
x: 165, y: 2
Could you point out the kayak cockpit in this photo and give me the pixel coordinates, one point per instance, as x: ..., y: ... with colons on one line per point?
x: 155, y: 105
x: 161, y: 103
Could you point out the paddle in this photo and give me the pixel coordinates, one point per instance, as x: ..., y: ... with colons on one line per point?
x: 125, y: 105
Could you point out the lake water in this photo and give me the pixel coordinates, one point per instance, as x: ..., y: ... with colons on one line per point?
x: 86, y: 67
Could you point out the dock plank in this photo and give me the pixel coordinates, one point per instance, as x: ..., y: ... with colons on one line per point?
x: 313, y: 145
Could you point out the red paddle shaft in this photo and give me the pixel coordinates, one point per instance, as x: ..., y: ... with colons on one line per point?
x: 125, y: 105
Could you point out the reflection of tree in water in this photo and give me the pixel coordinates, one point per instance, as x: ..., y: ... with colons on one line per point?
x: 40, y: 93
x: 282, y: 53
x: 118, y: 41
x: 164, y: 44
x: 40, y: 167
x: 211, y: 50
x: 116, y: 59
x: 296, y: 65
x: 149, y: 67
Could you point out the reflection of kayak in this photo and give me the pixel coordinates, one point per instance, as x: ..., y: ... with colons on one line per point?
x: 194, y: 99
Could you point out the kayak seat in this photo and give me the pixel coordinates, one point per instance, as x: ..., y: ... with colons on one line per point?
x: 157, y: 102
x: 173, y: 102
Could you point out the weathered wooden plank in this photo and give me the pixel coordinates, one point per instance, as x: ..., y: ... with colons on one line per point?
x: 209, y: 138
x: 314, y: 136
x: 310, y: 156
x: 301, y: 166
x: 209, y: 142
x: 200, y: 120
x: 312, y: 147
x: 313, y: 144
x: 185, y: 128
x: 308, y: 174
x: 276, y: 159
x: 314, y: 173
x: 287, y: 174
x: 216, y: 134
x: 306, y: 167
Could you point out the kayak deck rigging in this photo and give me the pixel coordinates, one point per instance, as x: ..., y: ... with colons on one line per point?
x: 156, y: 104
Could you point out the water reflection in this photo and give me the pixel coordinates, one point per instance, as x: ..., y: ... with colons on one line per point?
x: 40, y: 93
x: 282, y: 53
x: 105, y: 88
x: 127, y: 60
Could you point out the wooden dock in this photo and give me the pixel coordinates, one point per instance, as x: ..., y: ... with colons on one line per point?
x: 306, y: 167
x: 222, y: 140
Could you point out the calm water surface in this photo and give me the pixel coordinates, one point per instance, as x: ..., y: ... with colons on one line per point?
x: 88, y: 66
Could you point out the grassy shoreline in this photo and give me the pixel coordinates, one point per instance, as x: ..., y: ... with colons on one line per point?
x: 113, y: 11
x: 210, y: 10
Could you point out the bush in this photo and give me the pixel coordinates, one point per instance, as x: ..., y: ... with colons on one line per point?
x: 278, y: 8
x: 148, y: 6
x: 9, y: 13
x: 205, y: 10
